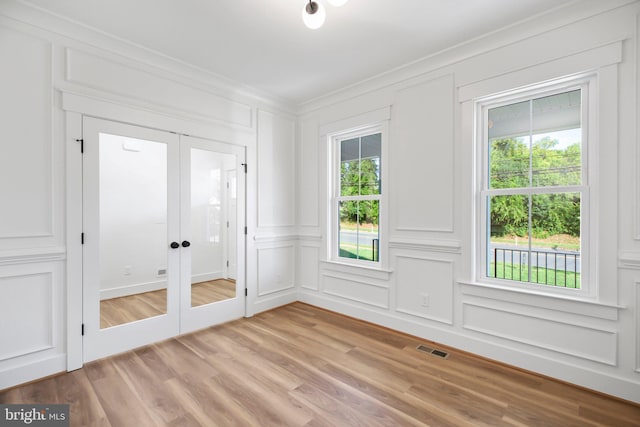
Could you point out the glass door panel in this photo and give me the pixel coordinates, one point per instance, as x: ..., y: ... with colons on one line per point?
x: 211, y: 220
x: 130, y: 218
x: 212, y: 203
x: 133, y: 229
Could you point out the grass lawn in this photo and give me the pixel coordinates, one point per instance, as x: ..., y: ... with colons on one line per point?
x: 539, y: 275
x: 351, y: 251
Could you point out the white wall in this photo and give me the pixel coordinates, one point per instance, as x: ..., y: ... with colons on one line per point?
x: 53, y: 73
x: 58, y: 71
x: 133, y: 215
x: 430, y: 162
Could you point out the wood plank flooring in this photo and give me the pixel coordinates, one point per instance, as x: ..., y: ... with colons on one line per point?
x: 302, y: 366
x: 117, y: 311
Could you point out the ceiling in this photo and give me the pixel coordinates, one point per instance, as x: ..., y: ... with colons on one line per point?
x: 265, y: 45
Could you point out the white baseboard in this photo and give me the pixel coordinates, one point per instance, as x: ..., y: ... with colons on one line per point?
x: 34, y: 370
x: 136, y: 288
x: 273, y: 301
x: 205, y: 277
x: 624, y: 388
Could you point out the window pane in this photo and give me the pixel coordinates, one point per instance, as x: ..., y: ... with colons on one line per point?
x: 370, y: 164
x: 557, y: 140
x: 350, y: 167
x: 509, y: 128
x: 508, y: 240
x: 542, y: 249
x: 358, y: 234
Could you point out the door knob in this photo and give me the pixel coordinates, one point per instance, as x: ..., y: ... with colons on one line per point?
x: 186, y: 244
x: 174, y: 245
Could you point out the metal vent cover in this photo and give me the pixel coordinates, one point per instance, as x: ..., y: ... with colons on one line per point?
x: 432, y: 351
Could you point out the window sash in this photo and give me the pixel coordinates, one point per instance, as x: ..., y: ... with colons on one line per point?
x: 484, y: 192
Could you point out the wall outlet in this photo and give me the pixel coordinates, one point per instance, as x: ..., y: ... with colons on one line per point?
x: 127, y: 270
x: 424, y: 300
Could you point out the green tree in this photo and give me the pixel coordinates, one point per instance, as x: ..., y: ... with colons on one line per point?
x: 513, y: 165
x: 359, y: 178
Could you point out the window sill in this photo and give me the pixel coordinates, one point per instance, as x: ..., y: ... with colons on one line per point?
x: 581, y: 306
x: 358, y: 270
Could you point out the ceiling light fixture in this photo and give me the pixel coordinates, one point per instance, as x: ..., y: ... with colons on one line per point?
x: 313, y: 13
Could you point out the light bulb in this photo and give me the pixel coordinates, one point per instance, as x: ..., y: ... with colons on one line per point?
x: 337, y: 3
x: 313, y: 15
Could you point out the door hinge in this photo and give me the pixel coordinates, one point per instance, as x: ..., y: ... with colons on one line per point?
x: 81, y: 141
x: 245, y: 167
x: 246, y: 292
x: 227, y: 263
x: 245, y: 229
x: 83, y: 329
x: 82, y: 238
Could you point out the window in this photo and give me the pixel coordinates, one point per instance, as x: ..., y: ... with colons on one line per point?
x: 533, y: 188
x: 357, y: 196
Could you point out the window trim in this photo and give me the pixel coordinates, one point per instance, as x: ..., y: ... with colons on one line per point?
x: 334, y: 198
x: 588, y: 229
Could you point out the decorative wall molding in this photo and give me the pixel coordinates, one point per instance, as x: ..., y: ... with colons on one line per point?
x: 355, y: 270
x: 424, y: 287
x: 308, y: 269
x: 276, y: 170
x: 29, y: 307
x: 32, y: 255
x: 423, y: 138
x: 594, y: 344
x: 595, y: 309
x: 96, y: 72
x: 29, y: 204
x: 274, y: 238
x: 430, y: 245
x: 629, y: 260
x: 369, y: 293
x: 276, y: 271
x: 580, y: 61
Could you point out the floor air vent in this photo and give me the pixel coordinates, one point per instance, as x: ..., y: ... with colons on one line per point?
x: 432, y: 351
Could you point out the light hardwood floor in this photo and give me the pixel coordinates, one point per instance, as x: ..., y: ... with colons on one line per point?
x: 299, y: 365
x: 116, y: 311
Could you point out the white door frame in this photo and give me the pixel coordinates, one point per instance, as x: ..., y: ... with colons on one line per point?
x: 75, y: 107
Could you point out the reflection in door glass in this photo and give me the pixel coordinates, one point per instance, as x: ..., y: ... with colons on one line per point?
x: 133, y: 229
x: 213, y: 225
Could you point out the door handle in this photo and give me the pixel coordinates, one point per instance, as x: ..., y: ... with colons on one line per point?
x: 174, y: 245
x: 186, y: 243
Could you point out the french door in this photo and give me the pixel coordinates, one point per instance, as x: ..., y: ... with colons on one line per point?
x: 212, y: 211
x: 157, y: 230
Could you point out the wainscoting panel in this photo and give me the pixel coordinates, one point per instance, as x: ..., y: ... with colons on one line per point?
x: 133, y: 82
x: 585, y: 342
x: 276, y: 170
x: 308, y: 268
x: 308, y: 187
x: 424, y: 287
x: 26, y: 170
x: 275, y: 268
x: 355, y: 290
x: 27, y: 307
x: 422, y: 135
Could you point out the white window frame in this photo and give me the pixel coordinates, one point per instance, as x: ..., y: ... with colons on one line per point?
x: 335, y: 197
x: 588, y: 226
